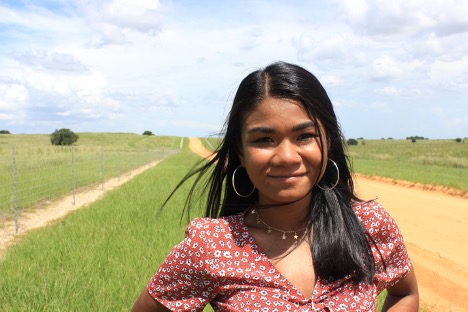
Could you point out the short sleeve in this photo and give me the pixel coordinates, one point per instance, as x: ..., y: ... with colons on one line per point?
x: 181, y: 282
x: 392, y: 262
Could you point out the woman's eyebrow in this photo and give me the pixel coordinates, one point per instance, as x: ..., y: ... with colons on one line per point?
x: 298, y: 127
x: 261, y: 130
x: 305, y: 125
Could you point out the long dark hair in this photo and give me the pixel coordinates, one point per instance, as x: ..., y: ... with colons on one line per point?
x: 339, y: 245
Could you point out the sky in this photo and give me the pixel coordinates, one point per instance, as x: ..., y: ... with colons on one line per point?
x: 391, y: 68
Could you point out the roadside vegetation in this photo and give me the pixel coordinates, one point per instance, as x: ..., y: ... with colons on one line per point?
x: 435, y: 162
x: 99, y: 258
x: 35, y: 170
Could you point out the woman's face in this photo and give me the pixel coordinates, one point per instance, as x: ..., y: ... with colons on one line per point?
x: 281, y: 151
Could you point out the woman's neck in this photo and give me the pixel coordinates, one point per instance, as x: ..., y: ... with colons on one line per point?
x: 287, y: 217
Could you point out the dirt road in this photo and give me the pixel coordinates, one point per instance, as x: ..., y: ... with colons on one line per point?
x: 435, y: 228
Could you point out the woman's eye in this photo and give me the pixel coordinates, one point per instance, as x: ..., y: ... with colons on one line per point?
x: 307, y: 136
x: 263, y: 140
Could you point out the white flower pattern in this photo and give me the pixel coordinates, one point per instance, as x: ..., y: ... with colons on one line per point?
x: 229, y: 271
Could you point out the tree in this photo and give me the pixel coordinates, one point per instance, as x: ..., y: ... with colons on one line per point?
x: 4, y: 132
x: 63, y: 137
x: 352, y: 142
x: 147, y: 132
x: 458, y: 140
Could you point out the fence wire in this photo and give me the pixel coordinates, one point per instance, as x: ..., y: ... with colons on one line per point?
x: 31, y: 177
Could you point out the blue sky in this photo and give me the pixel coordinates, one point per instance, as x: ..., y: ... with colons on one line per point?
x: 392, y: 68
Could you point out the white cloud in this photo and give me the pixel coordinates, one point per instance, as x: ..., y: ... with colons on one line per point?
x: 331, y: 81
x: 388, y: 90
x: 389, y: 18
x: 386, y: 68
x: 7, y: 117
x: 113, y: 20
x: 450, y: 74
x: 12, y: 96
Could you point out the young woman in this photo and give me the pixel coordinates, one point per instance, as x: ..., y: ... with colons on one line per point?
x: 284, y: 230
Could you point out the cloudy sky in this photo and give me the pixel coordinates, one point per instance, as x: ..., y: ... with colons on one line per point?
x: 392, y: 68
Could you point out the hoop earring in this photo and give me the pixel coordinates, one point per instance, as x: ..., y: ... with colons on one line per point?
x: 337, y: 178
x: 234, y: 185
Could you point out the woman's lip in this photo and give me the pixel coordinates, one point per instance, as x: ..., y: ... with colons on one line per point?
x: 287, y: 176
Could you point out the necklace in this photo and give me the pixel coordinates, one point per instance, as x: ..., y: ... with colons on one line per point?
x: 270, y: 228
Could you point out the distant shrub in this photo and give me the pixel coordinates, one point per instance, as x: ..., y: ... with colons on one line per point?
x: 4, y: 132
x: 416, y: 138
x: 458, y: 140
x: 352, y: 142
x: 63, y: 137
x: 147, y: 132
x: 413, y: 140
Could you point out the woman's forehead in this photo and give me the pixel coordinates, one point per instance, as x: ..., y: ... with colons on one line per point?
x: 278, y: 110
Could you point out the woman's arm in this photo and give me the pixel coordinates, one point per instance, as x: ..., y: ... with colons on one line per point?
x: 146, y: 303
x: 403, y: 296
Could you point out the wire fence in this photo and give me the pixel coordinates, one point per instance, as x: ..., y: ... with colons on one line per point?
x: 32, y: 177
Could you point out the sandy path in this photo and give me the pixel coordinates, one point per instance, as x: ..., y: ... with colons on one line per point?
x: 435, y: 228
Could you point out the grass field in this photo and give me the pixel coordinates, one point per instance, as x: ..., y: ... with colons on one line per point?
x: 39, y: 171
x: 436, y: 162
x: 98, y: 258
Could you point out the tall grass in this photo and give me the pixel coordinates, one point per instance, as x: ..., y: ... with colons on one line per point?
x: 99, y: 258
x: 436, y: 162
x: 34, y: 170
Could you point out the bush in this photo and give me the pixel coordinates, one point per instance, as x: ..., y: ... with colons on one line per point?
x: 458, y: 140
x: 416, y: 137
x: 352, y: 142
x: 63, y: 137
x: 4, y: 132
x: 147, y: 132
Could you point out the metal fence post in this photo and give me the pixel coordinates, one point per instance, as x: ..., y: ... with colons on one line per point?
x: 15, y: 202
x: 102, y: 170
x: 73, y: 172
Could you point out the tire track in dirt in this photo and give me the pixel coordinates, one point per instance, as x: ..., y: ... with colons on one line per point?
x: 434, y: 227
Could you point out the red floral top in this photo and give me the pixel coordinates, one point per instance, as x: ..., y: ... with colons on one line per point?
x: 219, y: 263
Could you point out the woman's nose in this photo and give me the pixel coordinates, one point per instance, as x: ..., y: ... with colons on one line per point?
x: 285, y: 153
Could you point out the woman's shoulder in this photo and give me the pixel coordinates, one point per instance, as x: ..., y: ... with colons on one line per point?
x: 376, y: 220
x: 372, y: 214
x: 365, y: 209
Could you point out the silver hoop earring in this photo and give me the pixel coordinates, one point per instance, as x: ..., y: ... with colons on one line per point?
x: 337, y: 178
x: 234, y: 184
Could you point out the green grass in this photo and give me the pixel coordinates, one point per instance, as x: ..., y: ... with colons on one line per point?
x: 98, y: 258
x: 436, y: 162
x: 42, y: 172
